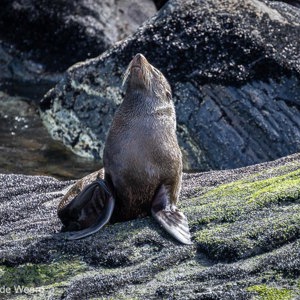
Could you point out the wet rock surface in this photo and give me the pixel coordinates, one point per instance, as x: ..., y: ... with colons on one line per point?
x: 40, y: 39
x: 27, y: 148
x: 234, y: 70
x: 245, y: 225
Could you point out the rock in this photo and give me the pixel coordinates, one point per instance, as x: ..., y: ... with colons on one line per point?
x: 160, y: 3
x: 291, y: 2
x: 246, y: 232
x: 234, y: 69
x: 21, y: 76
x: 41, y: 39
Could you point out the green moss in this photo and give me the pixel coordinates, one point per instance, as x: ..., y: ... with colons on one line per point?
x: 230, y: 202
x: 247, y: 217
x: 270, y: 293
x: 245, y: 239
x: 253, y: 190
x: 33, y: 275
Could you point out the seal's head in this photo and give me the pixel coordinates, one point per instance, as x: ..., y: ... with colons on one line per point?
x: 141, y: 75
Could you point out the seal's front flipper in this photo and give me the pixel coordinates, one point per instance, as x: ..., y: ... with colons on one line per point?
x: 101, y: 221
x: 171, y: 219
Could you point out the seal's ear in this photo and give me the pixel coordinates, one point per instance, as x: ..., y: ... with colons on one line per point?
x: 169, y: 217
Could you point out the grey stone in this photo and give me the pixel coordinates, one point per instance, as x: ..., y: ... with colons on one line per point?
x: 244, y: 223
x: 234, y: 70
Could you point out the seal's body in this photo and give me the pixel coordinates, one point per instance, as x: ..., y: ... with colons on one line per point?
x: 141, y: 152
x: 142, y: 159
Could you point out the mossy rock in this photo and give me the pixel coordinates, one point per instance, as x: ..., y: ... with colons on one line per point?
x: 35, y: 275
x: 245, y: 227
x: 271, y: 293
x: 255, y: 214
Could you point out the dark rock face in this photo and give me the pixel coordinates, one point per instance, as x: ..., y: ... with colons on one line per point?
x: 291, y: 2
x: 42, y: 38
x: 244, y: 222
x: 234, y: 70
x: 160, y: 3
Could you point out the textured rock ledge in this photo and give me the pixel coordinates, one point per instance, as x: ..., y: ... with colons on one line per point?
x: 234, y: 70
x: 245, y: 225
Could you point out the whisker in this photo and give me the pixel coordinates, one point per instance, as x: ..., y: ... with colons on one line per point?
x: 126, y: 74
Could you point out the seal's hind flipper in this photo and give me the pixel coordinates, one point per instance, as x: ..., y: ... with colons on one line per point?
x: 101, y: 221
x: 81, y: 199
x: 170, y: 218
x: 89, y: 211
x: 88, y: 201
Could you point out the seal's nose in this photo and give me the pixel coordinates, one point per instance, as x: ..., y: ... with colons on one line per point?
x: 139, y: 59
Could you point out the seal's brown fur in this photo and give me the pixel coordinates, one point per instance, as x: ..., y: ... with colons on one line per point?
x: 142, y: 162
x: 141, y: 151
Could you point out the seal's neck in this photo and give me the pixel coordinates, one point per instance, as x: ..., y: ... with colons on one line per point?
x: 142, y: 102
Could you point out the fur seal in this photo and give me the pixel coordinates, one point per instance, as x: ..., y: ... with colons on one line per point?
x: 142, y: 163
